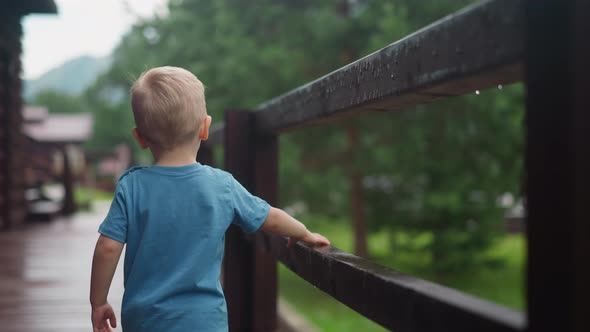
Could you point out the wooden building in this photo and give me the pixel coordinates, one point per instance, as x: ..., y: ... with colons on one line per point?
x: 47, y: 137
x: 53, y: 151
x: 12, y: 200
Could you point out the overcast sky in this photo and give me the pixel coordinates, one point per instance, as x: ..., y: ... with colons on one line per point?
x: 81, y: 27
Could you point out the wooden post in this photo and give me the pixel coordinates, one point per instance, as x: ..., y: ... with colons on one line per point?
x: 558, y: 165
x: 249, y: 276
x: 12, y: 195
x: 265, y: 282
x: 206, y: 155
x: 69, y: 203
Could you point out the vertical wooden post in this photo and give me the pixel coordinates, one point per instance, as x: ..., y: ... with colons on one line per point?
x: 249, y: 276
x: 69, y: 203
x: 238, y: 275
x: 12, y: 195
x: 206, y: 155
x: 265, y: 282
x: 558, y: 165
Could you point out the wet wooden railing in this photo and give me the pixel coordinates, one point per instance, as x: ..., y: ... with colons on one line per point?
x: 540, y: 42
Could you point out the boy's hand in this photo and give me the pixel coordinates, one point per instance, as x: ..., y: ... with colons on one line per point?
x: 100, y: 315
x: 313, y: 239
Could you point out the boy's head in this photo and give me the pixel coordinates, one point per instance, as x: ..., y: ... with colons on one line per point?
x: 169, y: 108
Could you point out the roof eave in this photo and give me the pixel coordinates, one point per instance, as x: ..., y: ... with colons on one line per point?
x: 25, y: 7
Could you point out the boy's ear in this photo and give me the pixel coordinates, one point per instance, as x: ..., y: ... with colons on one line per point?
x: 142, y: 143
x: 204, y: 132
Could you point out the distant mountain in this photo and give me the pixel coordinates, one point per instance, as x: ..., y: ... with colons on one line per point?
x: 72, y: 77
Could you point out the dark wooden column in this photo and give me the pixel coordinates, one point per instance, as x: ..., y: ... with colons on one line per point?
x: 265, y: 283
x: 12, y: 198
x: 69, y: 203
x: 249, y: 276
x: 558, y: 164
x: 206, y: 155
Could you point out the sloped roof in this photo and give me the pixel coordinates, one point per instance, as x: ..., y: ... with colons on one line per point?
x: 61, y: 128
x: 34, y: 113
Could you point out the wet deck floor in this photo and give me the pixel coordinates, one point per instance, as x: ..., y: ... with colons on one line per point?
x: 45, y: 275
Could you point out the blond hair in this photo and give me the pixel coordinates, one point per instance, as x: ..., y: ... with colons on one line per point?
x: 168, y: 106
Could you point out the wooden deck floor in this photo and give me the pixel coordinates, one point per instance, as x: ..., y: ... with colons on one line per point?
x: 45, y: 275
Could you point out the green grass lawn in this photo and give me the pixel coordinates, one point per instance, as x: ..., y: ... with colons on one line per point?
x: 84, y: 196
x: 502, y: 284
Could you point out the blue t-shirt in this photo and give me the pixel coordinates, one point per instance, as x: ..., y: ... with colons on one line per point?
x: 173, y: 220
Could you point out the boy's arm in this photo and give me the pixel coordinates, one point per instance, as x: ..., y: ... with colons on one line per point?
x: 280, y: 223
x: 104, y: 263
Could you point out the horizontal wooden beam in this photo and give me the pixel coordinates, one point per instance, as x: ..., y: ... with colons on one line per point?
x: 476, y: 48
x: 390, y: 298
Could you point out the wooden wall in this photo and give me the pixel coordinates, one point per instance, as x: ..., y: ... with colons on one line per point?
x: 12, y: 202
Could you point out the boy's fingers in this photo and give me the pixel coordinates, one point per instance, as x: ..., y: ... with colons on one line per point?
x: 101, y: 327
x: 113, y: 320
x: 315, y: 239
x: 110, y: 316
x: 322, y: 240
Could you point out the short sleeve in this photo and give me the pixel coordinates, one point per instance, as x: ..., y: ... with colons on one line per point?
x: 114, y: 225
x: 250, y: 211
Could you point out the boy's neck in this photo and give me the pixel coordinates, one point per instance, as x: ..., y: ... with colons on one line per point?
x: 179, y: 156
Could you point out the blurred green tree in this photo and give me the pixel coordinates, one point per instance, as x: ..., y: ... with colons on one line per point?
x: 58, y: 102
x: 450, y: 165
x: 438, y: 169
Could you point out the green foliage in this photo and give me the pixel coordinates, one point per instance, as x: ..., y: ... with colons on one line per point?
x: 450, y: 164
x: 502, y: 284
x: 85, y: 196
x: 58, y: 102
x: 437, y: 169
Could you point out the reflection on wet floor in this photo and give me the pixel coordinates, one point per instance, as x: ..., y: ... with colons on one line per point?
x: 45, y: 275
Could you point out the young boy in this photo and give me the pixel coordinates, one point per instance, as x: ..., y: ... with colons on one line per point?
x: 173, y: 217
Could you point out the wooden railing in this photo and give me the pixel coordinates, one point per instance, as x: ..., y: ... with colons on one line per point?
x: 476, y: 48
